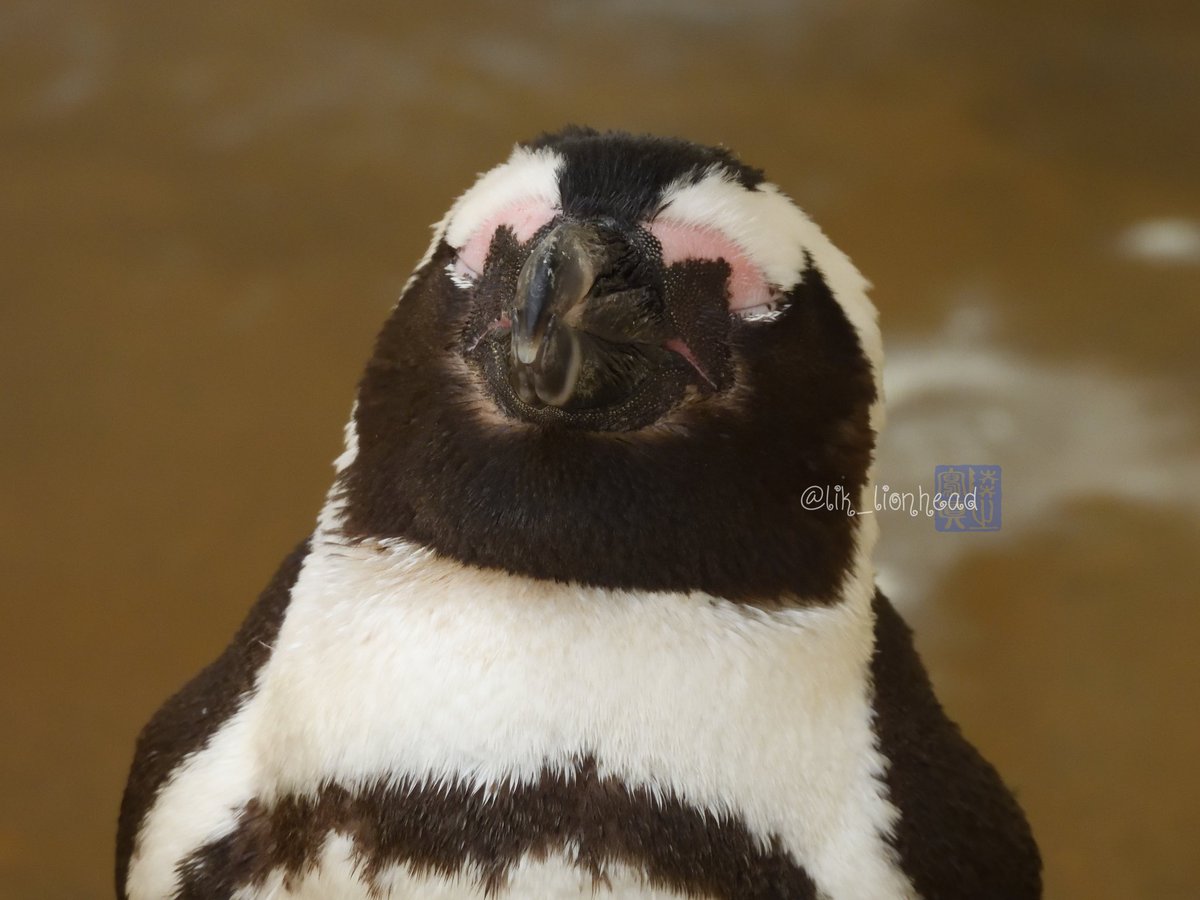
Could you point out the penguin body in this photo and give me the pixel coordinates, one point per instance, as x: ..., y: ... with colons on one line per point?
x: 564, y: 628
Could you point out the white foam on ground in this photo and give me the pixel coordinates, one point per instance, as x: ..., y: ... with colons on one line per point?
x: 1061, y: 433
x: 1162, y: 241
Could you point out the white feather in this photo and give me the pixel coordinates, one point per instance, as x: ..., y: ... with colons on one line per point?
x: 527, y: 175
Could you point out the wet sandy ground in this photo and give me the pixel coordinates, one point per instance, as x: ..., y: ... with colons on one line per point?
x: 205, y: 213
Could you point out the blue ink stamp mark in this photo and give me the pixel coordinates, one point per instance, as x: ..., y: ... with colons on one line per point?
x: 967, y: 498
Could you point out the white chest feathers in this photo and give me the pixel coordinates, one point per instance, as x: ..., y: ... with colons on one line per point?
x: 393, y: 665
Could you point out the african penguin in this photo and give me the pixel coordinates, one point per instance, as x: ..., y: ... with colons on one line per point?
x: 565, y: 626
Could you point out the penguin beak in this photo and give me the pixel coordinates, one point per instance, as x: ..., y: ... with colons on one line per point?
x: 546, y: 356
x: 587, y: 327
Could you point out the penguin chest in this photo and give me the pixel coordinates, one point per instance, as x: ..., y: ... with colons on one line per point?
x: 433, y: 731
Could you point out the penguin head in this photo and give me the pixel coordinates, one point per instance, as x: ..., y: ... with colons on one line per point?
x: 621, y: 363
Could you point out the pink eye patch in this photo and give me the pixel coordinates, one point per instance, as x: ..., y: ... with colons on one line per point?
x: 680, y: 241
x: 748, y: 289
x: 524, y: 218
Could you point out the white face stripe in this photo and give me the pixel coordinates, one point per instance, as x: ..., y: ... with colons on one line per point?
x: 527, y: 176
x: 775, y: 234
x: 763, y: 223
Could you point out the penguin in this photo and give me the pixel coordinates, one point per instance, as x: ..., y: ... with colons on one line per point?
x: 567, y: 625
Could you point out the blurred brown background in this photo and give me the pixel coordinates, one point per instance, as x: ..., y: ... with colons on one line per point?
x: 206, y: 210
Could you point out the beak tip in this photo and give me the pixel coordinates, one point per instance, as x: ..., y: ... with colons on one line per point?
x: 525, y: 351
x: 545, y: 369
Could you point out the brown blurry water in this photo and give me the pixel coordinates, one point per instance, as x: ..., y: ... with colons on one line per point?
x: 206, y: 210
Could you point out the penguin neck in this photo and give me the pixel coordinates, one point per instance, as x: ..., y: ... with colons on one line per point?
x: 857, y: 583
x: 406, y: 560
